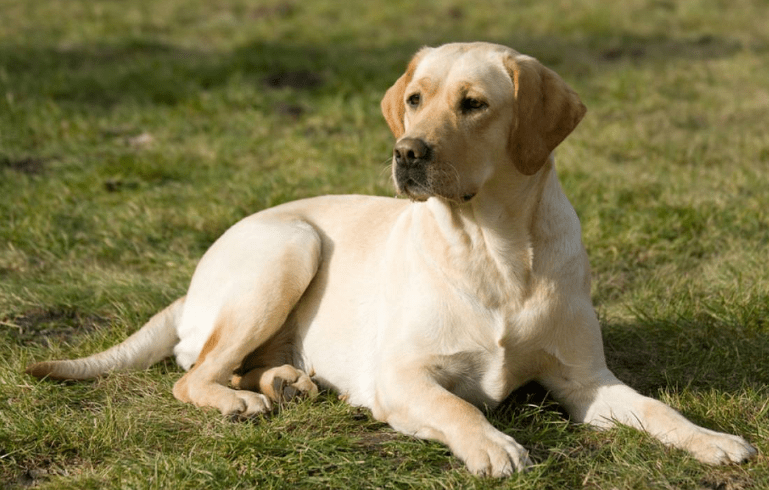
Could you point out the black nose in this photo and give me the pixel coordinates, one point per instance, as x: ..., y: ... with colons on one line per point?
x: 411, y: 151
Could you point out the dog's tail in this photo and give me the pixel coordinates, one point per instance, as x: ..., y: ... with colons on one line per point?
x: 150, y: 344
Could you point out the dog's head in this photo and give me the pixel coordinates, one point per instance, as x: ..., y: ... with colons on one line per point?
x: 462, y: 111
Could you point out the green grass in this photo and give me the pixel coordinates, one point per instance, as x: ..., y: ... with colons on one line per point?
x: 132, y: 133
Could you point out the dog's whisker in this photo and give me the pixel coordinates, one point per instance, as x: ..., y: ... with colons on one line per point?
x: 387, y: 169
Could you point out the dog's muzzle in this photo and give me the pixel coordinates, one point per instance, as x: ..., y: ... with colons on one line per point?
x: 411, y: 157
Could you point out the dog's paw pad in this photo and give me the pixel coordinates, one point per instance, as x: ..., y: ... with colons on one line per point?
x: 286, y: 383
x: 289, y: 393
x: 285, y: 391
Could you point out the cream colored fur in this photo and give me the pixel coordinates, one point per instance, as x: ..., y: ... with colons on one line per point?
x: 425, y: 310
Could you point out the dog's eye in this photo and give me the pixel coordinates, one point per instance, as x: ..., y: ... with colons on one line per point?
x: 414, y: 100
x: 470, y: 104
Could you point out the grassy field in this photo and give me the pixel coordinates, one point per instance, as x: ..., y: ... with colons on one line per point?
x: 134, y: 132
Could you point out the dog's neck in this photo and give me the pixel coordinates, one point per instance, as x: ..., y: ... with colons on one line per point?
x: 508, y: 202
x: 500, y: 219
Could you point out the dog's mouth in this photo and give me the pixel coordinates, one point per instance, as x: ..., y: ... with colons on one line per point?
x: 421, y: 180
x: 420, y: 192
x: 412, y: 182
x: 413, y: 191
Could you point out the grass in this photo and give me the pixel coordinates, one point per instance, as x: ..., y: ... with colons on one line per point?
x: 132, y: 133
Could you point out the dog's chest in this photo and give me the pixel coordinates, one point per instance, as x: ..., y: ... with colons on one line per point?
x: 483, y: 353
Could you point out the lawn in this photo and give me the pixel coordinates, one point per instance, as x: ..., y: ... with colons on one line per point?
x: 134, y: 132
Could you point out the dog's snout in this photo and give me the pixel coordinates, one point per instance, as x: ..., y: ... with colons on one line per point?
x: 410, y: 151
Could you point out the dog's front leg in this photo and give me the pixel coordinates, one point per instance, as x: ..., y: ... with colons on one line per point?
x: 412, y: 402
x: 602, y: 400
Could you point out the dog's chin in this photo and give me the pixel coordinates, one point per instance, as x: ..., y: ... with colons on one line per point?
x: 417, y: 193
x: 414, y: 194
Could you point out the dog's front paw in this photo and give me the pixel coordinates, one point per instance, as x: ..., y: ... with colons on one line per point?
x: 718, y: 448
x: 495, y: 454
x: 236, y: 404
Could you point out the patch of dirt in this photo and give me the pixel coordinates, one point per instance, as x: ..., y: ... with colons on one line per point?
x: 25, y: 165
x: 282, y: 10
x: 40, y: 326
x: 117, y: 185
x: 614, y: 54
x: 456, y: 13
x: 40, y: 473
x: 727, y: 482
x: 293, y: 111
x: 298, y: 80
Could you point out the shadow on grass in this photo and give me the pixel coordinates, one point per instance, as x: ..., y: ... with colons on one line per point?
x: 150, y: 72
x: 41, y: 326
x: 661, y: 354
x: 655, y: 357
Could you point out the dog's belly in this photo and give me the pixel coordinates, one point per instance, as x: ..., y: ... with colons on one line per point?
x: 348, y: 357
x: 345, y: 365
x: 335, y: 331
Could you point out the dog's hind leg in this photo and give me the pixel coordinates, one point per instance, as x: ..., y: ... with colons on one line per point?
x: 265, y: 268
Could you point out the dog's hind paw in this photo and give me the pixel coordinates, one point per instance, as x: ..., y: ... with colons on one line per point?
x: 279, y: 384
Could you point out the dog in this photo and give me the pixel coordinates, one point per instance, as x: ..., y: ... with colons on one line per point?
x: 425, y: 310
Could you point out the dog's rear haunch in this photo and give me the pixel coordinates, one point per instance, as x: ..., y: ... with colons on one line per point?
x: 421, y: 309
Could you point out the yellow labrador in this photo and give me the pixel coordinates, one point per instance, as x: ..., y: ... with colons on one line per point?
x: 423, y: 310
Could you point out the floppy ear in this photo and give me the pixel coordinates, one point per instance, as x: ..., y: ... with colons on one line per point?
x: 393, y: 105
x: 546, y: 111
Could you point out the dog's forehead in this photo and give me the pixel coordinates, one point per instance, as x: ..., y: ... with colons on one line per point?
x: 476, y: 65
